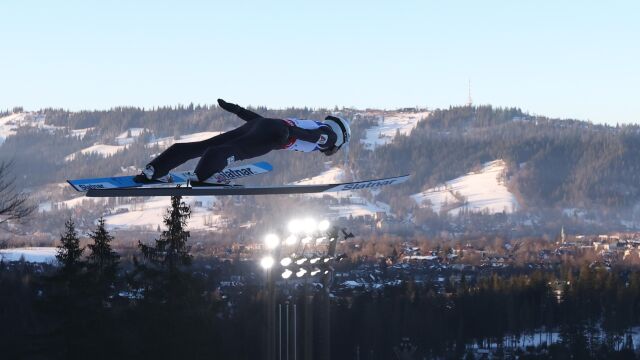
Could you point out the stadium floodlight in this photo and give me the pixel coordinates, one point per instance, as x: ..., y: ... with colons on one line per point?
x: 314, y: 260
x: 272, y: 241
x: 324, y: 225
x: 286, y: 274
x: 286, y: 261
x: 306, y: 240
x: 310, y: 225
x: 301, y: 272
x: 266, y: 262
x: 314, y: 272
x: 326, y: 272
x: 301, y: 261
x: 295, y: 226
x: 326, y: 259
x: 319, y: 240
x: 291, y: 240
x: 332, y: 239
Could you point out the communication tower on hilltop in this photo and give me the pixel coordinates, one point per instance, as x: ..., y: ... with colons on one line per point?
x: 469, y: 102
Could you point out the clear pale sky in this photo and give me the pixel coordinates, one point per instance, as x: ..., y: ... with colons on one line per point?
x: 569, y: 59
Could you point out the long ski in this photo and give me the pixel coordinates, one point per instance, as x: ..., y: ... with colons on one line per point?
x: 176, y: 178
x: 245, y: 190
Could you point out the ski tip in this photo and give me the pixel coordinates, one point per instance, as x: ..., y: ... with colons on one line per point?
x: 70, y: 182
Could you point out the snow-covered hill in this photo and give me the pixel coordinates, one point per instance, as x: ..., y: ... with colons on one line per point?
x: 168, y: 141
x: 484, y: 190
x: 330, y: 176
x: 352, y: 203
x: 123, y: 140
x: 390, y: 124
x: 129, y: 136
x: 148, y: 213
x: 30, y: 254
x: 99, y: 149
x: 9, y: 124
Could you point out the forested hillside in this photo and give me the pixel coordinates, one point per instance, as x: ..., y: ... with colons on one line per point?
x: 550, y: 162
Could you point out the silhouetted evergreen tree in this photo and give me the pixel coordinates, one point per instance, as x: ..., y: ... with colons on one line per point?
x: 102, y: 261
x: 69, y: 250
x: 173, y: 319
x: 170, y: 251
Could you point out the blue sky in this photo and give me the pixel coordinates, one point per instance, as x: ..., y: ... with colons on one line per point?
x: 569, y: 59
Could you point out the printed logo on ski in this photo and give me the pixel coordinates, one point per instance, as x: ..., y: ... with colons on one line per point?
x: 234, y: 173
x: 369, y: 184
x: 85, y: 187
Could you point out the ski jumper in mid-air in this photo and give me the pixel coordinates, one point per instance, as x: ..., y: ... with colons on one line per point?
x: 256, y: 137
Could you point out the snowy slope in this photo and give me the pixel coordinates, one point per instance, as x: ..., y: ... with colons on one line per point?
x: 124, y: 139
x: 150, y: 213
x: 145, y: 214
x: 9, y: 124
x: 30, y: 254
x: 356, y: 206
x: 389, y: 124
x: 477, y: 191
x: 81, y: 132
x: 166, y: 142
x: 100, y: 149
x: 330, y: 176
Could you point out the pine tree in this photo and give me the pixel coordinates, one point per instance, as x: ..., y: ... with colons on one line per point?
x: 162, y: 271
x: 102, y: 258
x: 69, y: 250
x: 171, y: 251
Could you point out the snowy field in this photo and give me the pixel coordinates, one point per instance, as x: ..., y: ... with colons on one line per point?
x: 80, y: 132
x: 356, y: 206
x: 150, y: 213
x: 30, y: 254
x: 389, y: 125
x: 125, y: 139
x: 476, y: 191
x: 9, y: 124
x: 330, y: 176
x: 100, y: 149
x: 167, y: 141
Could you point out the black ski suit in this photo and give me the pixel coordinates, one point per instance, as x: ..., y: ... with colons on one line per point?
x: 256, y: 137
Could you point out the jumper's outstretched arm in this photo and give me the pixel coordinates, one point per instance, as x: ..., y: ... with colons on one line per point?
x: 241, y: 112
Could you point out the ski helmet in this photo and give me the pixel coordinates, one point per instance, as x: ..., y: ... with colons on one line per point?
x: 341, y: 128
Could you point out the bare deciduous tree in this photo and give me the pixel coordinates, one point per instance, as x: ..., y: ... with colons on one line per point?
x: 14, y: 204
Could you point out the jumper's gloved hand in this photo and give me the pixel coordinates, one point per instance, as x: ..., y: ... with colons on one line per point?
x: 227, y: 106
x: 241, y: 112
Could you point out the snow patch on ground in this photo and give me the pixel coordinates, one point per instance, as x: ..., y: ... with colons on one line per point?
x: 124, y: 139
x: 350, y: 204
x: 100, y: 149
x: 331, y: 176
x: 168, y: 141
x: 358, y: 207
x: 80, y: 133
x: 389, y: 125
x: 150, y: 213
x: 79, y: 201
x: 30, y: 254
x: 9, y: 124
x: 484, y: 190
